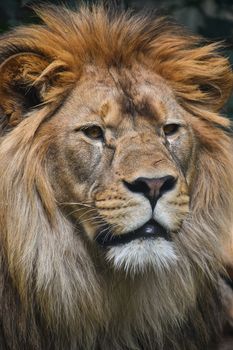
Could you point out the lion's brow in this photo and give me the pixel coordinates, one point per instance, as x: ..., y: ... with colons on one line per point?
x: 150, y: 110
x: 145, y: 108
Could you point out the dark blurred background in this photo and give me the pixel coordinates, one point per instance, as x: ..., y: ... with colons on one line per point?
x: 210, y: 18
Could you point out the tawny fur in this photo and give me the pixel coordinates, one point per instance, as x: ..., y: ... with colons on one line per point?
x: 56, y: 292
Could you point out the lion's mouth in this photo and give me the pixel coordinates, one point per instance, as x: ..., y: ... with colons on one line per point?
x: 150, y: 230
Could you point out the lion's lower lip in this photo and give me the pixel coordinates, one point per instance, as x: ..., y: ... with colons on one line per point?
x: 151, y: 230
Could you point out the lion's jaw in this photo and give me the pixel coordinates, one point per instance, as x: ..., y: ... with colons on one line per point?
x: 101, y: 167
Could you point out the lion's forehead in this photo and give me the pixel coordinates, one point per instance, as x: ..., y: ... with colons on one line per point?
x: 116, y: 96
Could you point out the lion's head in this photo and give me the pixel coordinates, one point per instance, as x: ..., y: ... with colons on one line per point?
x: 116, y: 181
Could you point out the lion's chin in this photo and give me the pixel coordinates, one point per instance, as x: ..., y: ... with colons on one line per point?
x: 139, y: 256
x: 149, y: 247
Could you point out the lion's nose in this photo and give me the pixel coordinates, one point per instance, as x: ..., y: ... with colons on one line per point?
x: 152, y: 188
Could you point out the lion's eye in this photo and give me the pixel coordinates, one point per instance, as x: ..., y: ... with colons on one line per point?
x: 170, y: 129
x: 94, y: 132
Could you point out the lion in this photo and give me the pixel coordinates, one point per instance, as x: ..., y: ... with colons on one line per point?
x: 116, y: 183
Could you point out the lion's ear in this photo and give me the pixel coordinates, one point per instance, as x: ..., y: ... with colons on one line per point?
x: 22, y: 87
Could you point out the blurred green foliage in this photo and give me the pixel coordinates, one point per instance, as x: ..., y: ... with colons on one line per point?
x: 210, y: 18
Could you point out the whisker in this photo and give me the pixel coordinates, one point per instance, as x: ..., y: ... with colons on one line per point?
x: 94, y: 220
x: 86, y: 212
x: 108, y: 233
x: 85, y: 204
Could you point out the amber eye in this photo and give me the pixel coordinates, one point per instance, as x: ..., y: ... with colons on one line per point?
x: 94, y: 132
x: 170, y: 129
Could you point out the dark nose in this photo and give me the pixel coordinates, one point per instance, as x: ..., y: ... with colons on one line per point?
x: 152, y: 188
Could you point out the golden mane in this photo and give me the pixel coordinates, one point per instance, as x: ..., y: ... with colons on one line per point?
x: 47, y: 60
x: 71, y: 40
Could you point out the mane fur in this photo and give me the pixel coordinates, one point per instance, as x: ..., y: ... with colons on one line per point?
x: 51, y: 289
x: 71, y: 40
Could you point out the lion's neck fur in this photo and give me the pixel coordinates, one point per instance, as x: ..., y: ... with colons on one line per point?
x: 79, y: 310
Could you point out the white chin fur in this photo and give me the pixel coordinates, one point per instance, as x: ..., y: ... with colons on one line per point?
x: 139, y: 255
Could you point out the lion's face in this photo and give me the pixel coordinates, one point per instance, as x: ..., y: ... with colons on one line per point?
x: 122, y: 169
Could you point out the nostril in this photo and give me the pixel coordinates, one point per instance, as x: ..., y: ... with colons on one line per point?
x: 137, y: 186
x: 168, y: 185
x: 152, y: 188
